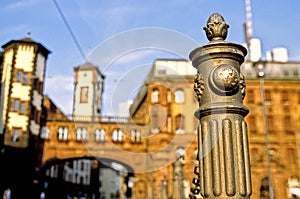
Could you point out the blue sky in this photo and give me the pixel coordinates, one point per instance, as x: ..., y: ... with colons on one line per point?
x: 99, y: 22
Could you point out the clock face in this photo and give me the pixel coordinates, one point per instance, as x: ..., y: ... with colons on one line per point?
x: 84, y: 94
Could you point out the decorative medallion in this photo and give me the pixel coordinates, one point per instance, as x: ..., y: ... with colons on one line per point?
x: 198, y: 86
x: 225, y: 78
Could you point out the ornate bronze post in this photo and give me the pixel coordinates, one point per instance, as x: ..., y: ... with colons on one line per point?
x: 223, y: 154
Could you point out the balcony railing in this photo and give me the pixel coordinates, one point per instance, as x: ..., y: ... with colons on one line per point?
x: 84, y: 118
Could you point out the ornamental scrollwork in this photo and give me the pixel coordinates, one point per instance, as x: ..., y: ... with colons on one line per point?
x: 242, y: 85
x: 198, y: 86
x: 195, y: 189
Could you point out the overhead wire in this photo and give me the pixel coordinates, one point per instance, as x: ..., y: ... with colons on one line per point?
x: 72, y: 34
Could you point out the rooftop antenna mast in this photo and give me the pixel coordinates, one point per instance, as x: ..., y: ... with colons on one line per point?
x: 248, y: 24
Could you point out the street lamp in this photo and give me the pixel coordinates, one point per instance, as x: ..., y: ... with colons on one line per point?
x: 223, y: 152
x: 260, y: 71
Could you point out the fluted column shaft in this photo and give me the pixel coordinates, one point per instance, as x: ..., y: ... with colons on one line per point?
x: 223, y: 154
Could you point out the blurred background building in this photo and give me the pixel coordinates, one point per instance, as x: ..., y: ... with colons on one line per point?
x: 88, y: 155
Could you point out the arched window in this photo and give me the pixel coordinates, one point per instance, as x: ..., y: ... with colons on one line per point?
x: 180, y: 153
x: 169, y: 124
x: 45, y: 133
x: 135, y: 136
x: 81, y: 134
x: 117, y: 135
x: 63, y: 133
x: 169, y: 96
x: 179, y: 122
x: 293, y: 187
x: 179, y: 96
x: 155, y: 95
x: 264, y: 188
x: 100, y: 135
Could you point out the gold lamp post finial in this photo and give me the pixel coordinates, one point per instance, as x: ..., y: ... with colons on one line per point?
x: 216, y: 28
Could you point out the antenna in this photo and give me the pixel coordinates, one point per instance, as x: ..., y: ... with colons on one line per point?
x: 253, y: 44
x: 248, y: 24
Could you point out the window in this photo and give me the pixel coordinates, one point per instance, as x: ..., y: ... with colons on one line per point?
x: 169, y: 96
x: 16, y: 105
x: 293, y: 187
x: 45, y: 133
x: 287, y: 121
x: 63, y: 134
x: 267, y: 96
x: 16, y: 135
x: 81, y: 134
x: 22, y: 107
x: 254, y: 151
x: 100, y: 135
x: 169, y: 124
x: 179, y: 96
x: 296, y: 72
x: 285, y: 97
x: 157, y: 117
x: 25, y: 78
x: 264, y: 188
x: 180, y: 153
x: 250, y: 96
x: 19, y: 75
x: 155, y: 95
x: 135, y: 136
x: 155, y: 130
x: 252, y: 124
x: 117, y: 135
x: 288, y: 124
x: 179, y: 122
x: 270, y: 123
x: 84, y: 94
x: 291, y: 155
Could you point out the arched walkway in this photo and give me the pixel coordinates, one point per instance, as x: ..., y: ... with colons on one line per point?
x: 85, y: 177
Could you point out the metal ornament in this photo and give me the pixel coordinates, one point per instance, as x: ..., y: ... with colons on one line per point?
x: 223, y: 151
x: 216, y: 28
x: 198, y: 86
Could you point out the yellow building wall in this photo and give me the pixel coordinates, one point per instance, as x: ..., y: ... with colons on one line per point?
x: 24, y: 61
x: 84, y: 80
x: 6, y: 77
x: 17, y: 121
x: 24, y: 58
x: 20, y: 91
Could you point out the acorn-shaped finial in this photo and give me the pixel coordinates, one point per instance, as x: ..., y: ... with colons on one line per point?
x: 216, y: 28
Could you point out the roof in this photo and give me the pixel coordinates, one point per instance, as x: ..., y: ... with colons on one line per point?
x: 88, y: 66
x: 27, y: 40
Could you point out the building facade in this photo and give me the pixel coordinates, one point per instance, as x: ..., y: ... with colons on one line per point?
x: 163, y: 111
x: 152, y: 154
x: 21, y: 114
x: 22, y: 81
